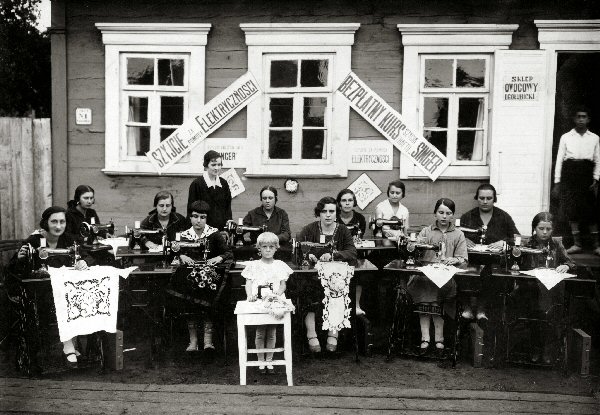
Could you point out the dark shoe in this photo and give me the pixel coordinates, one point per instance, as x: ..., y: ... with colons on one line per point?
x: 314, y: 348
x: 209, y: 353
x: 332, y: 344
x: 423, y: 347
x: 70, y: 364
x: 270, y: 370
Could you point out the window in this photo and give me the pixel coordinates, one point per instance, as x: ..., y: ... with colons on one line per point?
x: 291, y: 128
x: 154, y: 81
x: 454, y: 106
x: 446, y: 91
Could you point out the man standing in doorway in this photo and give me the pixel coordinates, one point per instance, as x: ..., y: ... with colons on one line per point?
x: 576, y: 178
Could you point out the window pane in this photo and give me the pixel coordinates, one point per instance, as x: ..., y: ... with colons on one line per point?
x: 313, y: 144
x: 280, y: 144
x: 171, y: 110
x: 469, y: 145
x: 138, y: 141
x: 284, y: 74
x: 438, y: 73
x: 470, y: 112
x: 314, y: 112
x: 170, y: 72
x: 140, y: 71
x: 435, y: 112
x: 165, y: 132
x: 470, y: 73
x: 314, y: 72
x: 138, y: 109
x: 438, y: 138
x: 282, y: 112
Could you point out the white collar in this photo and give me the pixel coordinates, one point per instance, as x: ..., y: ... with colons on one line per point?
x: 191, y: 234
x: 209, y: 182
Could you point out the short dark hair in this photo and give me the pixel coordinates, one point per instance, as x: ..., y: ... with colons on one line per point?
x: 346, y: 192
x: 49, y: 212
x: 399, y: 185
x: 163, y: 194
x: 582, y: 108
x: 485, y: 186
x: 449, y: 203
x: 270, y: 189
x: 199, y: 206
x: 210, y: 155
x: 541, y: 217
x: 327, y: 200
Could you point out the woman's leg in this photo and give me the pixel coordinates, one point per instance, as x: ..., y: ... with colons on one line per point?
x: 271, y: 339
x: 332, y: 341
x: 359, y: 310
x: 311, y: 333
x: 424, y: 322
x: 438, y: 324
x: 193, y: 332
x: 208, y: 334
x: 259, y: 342
x: 69, y: 350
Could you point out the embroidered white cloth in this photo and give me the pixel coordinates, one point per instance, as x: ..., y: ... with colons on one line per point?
x: 86, y: 301
x: 114, y: 243
x: 335, y: 279
x: 275, y: 305
x: 548, y: 277
x: 439, y: 274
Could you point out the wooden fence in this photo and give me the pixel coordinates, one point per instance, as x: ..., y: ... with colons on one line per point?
x: 25, y: 174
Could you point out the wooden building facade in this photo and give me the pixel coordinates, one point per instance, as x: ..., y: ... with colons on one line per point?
x: 491, y: 84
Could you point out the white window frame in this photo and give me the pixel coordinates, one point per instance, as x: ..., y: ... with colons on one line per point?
x: 152, y: 40
x: 265, y: 40
x: 459, y: 41
x: 453, y: 95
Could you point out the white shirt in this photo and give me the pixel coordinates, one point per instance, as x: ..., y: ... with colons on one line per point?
x: 578, y: 147
x: 210, y: 182
x: 385, y: 210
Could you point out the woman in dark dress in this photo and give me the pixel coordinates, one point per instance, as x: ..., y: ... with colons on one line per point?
x: 80, y: 210
x: 163, y: 217
x: 213, y: 190
x: 324, y: 230
x: 197, y: 292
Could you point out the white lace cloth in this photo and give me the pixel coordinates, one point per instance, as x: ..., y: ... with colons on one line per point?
x: 439, y: 274
x: 86, y: 301
x: 275, y: 305
x: 548, y: 277
x: 335, y: 279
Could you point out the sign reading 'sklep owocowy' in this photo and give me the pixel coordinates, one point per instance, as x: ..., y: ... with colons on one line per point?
x: 214, y: 114
x: 390, y: 123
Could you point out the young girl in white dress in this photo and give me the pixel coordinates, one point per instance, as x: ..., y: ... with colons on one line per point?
x: 269, y: 276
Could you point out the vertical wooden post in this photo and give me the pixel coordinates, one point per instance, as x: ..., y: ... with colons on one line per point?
x: 7, y: 220
x: 42, y: 163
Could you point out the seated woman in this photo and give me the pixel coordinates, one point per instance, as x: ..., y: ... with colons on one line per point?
x: 346, y: 202
x: 163, y: 217
x: 80, y: 210
x: 532, y: 298
x: 421, y: 289
x: 267, y: 213
x: 324, y: 230
x: 392, y: 208
x: 53, y: 224
x: 189, y: 294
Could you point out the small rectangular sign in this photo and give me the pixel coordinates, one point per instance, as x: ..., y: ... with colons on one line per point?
x: 521, y: 87
x: 232, y: 150
x: 83, y: 116
x: 370, y: 155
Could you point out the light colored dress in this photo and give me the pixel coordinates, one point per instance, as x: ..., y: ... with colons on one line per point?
x: 260, y: 273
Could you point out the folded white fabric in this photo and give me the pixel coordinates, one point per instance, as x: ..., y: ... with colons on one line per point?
x: 548, y: 277
x: 86, y: 301
x: 439, y: 274
x: 365, y: 244
x: 114, y: 243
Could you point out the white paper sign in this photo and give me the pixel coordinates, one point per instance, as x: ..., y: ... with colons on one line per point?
x: 521, y: 87
x: 232, y: 150
x: 195, y: 129
x: 370, y: 155
x: 392, y: 126
x: 235, y: 183
x: 365, y: 190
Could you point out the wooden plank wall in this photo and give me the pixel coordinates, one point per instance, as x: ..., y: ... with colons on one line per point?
x: 25, y: 174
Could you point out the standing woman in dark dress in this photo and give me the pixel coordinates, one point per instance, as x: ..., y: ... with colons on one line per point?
x: 326, y: 229
x: 80, y: 210
x: 213, y: 190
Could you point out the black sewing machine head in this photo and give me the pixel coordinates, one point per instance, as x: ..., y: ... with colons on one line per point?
x: 201, y: 246
x: 480, y: 232
x: 377, y: 225
x: 90, y: 231
x: 73, y: 252
x: 411, y: 250
x: 135, y: 236
x: 539, y: 257
x: 236, y: 232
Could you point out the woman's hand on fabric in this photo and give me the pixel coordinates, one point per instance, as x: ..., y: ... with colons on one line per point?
x: 451, y: 261
x: 247, y: 237
x: 561, y: 269
x: 22, y: 254
x: 326, y: 257
x: 81, y: 265
x: 214, y: 261
x: 497, y: 245
x: 470, y: 243
x: 151, y: 245
x: 251, y: 298
x: 312, y: 258
x: 186, y: 260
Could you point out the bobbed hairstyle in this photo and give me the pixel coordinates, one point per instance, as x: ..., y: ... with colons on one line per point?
x: 399, y: 184
x: 449, y: 203
x: 270, y: 189
x: 163, y: 194
x: 80, y: 190
x: 199, y: 206
x: 345, y: 192
x: 541, y: 217
x: 267, y: 238
x: 327, y: 200
x: 49, y: 212
x: 486, y: 186
x: 210, y: 155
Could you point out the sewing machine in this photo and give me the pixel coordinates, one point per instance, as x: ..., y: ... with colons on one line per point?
x: 177, y: 247
x: 545, y: 254
x: 480, y: 232
x: 377, y: 225
x: 43, y: 253
x: 355, y: 232
x: 301, y: 250
x: 135, y: 236
x: 236, y: 232
x: 90, y: 232
x: 411, y: 250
